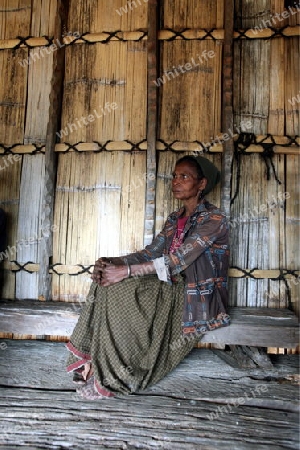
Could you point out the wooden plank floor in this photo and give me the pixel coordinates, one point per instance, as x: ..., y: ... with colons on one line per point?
x: 203, y: 404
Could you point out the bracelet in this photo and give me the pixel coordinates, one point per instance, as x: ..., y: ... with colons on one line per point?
x: 128, y: 270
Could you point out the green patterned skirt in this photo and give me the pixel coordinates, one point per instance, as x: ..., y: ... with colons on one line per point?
x: 131, y: 333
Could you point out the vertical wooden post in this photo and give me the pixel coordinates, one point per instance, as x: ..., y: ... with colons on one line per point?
x: 227, y: 105
x: 151, y: 121
x: 46, y: 244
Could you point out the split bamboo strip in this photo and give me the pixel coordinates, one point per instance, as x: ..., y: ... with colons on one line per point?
x: 152, y: 114
x: 12, y: 266
x: 22, y: 149
x: 190, y: 101
x: 292, y: 86
x: 46, y: 217
x: 276, y: 119
x: 66, y: 269
x: 38, y: 102
x: 163, y: 35
x: 94, y: 146
x: 292, y: 224
x: 227, y: 107
x: 9, y: 202
x: 88, y: 15
x: 30, y: 232
x: 12, y: 97
x: 265, y: 33
x: 192, y: 34
x: 93, y: 38
x: 177, y: 146
x: 258, y: 274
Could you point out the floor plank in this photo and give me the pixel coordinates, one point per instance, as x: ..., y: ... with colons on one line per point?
x: 203, y: 404
x: 257, y: 327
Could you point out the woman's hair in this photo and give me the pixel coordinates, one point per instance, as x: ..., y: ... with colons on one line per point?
x: 192, y: 161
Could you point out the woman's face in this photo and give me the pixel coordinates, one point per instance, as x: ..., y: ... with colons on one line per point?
x: 185, y: 184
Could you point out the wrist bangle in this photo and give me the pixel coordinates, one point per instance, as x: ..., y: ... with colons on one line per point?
x: 128, y: 270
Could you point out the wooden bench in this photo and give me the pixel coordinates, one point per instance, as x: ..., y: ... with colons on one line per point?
x: 250, y: 329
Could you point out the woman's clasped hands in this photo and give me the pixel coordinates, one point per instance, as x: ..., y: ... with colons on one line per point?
x: 106, y: 273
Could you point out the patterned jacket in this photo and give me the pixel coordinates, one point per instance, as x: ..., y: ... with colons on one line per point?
x: 202, y: 260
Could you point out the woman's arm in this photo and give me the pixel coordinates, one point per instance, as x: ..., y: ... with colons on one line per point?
x: 114, y: 269
x: 106, y: 274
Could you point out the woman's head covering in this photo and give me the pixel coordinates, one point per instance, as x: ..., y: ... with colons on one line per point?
x: 210, y: 172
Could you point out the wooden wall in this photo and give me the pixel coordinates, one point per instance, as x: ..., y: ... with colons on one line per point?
x: 101, y: 156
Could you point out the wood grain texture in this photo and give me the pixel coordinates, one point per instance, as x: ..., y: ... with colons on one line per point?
x: 190, y: 99
x: 106, y: 86
x: 193, y: 14
x: 111, y: 203
x: 227, y: 108
x: 257, y: 327
x: 254, y: 408
x: 9, y: 202
x: 152, y: 114
x: 30, y: 229
x: 95, y: 16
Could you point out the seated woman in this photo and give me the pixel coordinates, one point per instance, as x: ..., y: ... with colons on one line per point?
x: 146, y: 310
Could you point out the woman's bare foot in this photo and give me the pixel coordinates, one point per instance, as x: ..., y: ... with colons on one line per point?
x: 87, y: 371
x: 88, y: 391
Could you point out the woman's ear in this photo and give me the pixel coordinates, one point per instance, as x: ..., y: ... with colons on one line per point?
x: 202, y: 184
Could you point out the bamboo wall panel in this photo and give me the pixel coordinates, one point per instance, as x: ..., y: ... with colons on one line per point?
x: 251, y: 13
x: 30, y: 230
x: 94, y: 16
x: 9, y: 202
x: 293, y: 225
x: 190, y: 101
x: 99, y: 211
x: 251, y: 102
x: 292, y: 86
x: 98, y: 76
x: 12, y: 96
x: 276, y: 118
x: 264, y: 226
x: 269, y: 109
x: 38, y: 90
x: 24, y: 116
x: 15, y: 18
x: 193, y: 14
x: 27, y: 17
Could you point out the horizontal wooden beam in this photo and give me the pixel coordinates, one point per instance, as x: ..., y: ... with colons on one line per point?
x: 21, y: 149
x: 140, y: 35
x: 256, y: 327
x: 282, y: 145
x: 260, y: 273
x: 218, y: 34
x: 76, y: 269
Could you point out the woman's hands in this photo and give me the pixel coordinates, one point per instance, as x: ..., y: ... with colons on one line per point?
x: 105, y: 273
